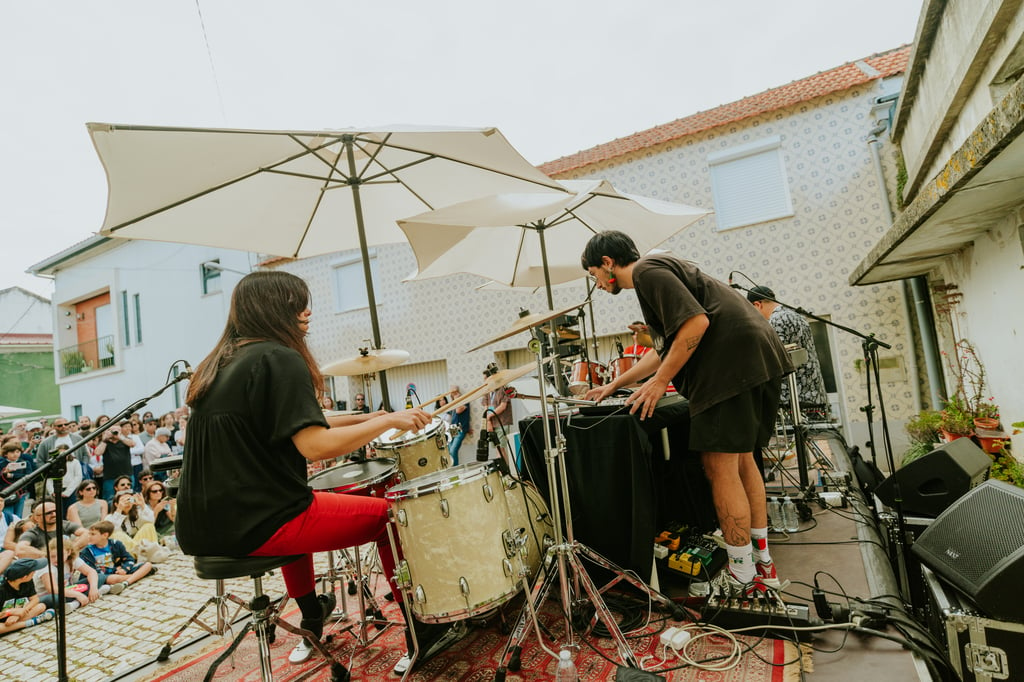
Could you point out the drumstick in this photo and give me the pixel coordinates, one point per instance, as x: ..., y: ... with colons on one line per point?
x: 432, y: 400
x: 463, y: 399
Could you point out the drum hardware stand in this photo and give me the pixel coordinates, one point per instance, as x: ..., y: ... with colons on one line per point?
x: 364, y: 596
x: 220, y: 601
x: 565, y: 554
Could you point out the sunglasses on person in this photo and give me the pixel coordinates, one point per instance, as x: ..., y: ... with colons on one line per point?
x: 91, y: 487
x: 145, y: 478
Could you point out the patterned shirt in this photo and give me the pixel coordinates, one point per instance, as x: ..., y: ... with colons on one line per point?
x: 793, y: 328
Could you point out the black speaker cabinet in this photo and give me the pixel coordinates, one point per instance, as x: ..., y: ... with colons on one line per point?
x: 931, y: 483
x: 977, y: 545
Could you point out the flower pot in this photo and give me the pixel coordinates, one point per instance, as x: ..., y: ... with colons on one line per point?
x: 950, y: 437
x: 988, y: 423
x: 992, y: 446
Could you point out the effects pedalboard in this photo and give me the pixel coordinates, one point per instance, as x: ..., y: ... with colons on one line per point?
x: 768, y: 613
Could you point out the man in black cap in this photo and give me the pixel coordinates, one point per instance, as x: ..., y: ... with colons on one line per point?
x: 19, y: 606
x: 792, y: 328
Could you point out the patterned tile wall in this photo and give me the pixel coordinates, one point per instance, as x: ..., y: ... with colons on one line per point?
x: 839, y: 215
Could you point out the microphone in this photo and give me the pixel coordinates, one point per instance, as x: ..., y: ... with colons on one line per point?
x: 734, y: 286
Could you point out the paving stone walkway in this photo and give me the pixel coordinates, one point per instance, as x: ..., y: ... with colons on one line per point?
x: 119, y: 633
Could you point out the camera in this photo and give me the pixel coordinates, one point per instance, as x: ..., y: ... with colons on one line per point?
x: 491, y: 369
x: 16, y: 466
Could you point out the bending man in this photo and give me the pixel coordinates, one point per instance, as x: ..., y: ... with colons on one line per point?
x: 726, y: 359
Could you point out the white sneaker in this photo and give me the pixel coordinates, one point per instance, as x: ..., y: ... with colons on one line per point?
x: 301, y: 653
x: 402, y: 665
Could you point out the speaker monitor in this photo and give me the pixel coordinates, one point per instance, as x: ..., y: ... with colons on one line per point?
x: 977, y: 545
x: 931, y: 483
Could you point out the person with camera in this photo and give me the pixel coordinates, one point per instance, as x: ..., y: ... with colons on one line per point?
x: 497, y: 419
x: 62, y: 439
x: 115, y: 451
x: 726, y: 359
x: 14, y: 466
x: 256, y: 423
x: 129, y: 527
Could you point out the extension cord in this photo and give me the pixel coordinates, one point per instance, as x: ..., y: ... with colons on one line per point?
x: 832, y: 499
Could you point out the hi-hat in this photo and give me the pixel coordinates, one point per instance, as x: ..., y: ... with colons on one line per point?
x: 367, y: 362
x: 527, y: 322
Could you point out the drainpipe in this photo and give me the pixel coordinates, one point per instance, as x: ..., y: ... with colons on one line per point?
x: 876, y: 159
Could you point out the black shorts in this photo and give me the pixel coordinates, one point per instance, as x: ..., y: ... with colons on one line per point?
x: 741, y: 423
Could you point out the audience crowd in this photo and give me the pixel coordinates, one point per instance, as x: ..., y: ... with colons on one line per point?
x: 117, y: 514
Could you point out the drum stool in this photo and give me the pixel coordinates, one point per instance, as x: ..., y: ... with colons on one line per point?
x: 265, y: 616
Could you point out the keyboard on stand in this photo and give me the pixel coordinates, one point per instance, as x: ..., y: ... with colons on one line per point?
x: 617, y: 404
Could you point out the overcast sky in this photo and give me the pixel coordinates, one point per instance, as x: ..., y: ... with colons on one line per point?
x: 555, y: 76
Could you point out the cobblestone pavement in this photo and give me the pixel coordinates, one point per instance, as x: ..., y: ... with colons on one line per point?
x: 120, y: 633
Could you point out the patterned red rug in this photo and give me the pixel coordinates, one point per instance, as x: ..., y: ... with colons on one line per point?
x: 475, y: 658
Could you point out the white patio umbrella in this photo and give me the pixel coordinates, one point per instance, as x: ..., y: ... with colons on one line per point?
x: 535, y: 240
x: 298, y: 193
x: 8, y: 411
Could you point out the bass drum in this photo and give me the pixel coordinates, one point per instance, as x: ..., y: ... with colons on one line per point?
x: 460, y: 560
x: 529, y: 514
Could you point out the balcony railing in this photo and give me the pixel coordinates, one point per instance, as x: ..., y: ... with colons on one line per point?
x: 87, y: 356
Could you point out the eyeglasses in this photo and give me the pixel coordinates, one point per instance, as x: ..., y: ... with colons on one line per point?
x: 156, y: 490
x: 145, y: 478
x: 50, y: 513
x: 89, y: 488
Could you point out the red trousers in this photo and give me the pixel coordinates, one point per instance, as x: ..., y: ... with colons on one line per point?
x: 333, y: 521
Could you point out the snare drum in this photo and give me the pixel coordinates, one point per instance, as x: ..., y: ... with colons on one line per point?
x: 581, y: 370
x: 532, y: 516
x: 621, y: 364
x: 370, y: 478
x: 419, y: 452
x: 460, y: 556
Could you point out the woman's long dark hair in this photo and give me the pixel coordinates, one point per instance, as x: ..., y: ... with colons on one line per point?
x: 265, y: 306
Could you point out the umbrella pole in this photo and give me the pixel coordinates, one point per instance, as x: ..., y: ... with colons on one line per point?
x: 371, y: 300
x: 544, y: 261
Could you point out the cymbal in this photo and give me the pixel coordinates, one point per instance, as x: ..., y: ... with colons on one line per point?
x: 527, y: 322
x: 367, y: 362
x: 492, y: 383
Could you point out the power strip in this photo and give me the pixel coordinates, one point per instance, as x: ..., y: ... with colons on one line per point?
x: 832, y: 499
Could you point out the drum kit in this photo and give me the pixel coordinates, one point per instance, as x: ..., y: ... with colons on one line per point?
x: 473, y: 536
x: 469, y: 534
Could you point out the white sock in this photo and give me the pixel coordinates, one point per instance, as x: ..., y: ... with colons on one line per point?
x: 104, y: 589
x: 741, y: 562
x: 759, y: 540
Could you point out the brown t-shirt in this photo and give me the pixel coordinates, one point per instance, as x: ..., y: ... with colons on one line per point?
x: 739, y: 350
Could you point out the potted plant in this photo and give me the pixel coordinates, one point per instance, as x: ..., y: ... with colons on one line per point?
x: 924, y: 431
x: 957, y: 420
x: 73, y: 361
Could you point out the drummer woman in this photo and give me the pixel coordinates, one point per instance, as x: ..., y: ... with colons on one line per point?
x: 256, y: 421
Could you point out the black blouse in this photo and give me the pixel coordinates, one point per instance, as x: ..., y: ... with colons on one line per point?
x: 242, y: 478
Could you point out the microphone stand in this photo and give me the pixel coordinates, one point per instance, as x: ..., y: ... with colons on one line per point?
x: 54, y: 469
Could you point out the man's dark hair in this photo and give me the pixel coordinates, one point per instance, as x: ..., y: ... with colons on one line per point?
x: 616, y: 245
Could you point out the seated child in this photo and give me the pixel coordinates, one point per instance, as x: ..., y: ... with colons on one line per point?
x: 81, y: 583
x: 19, y: 606
x: 110, y: 558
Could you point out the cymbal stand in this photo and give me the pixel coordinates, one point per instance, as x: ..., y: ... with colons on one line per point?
x: 565, y: 554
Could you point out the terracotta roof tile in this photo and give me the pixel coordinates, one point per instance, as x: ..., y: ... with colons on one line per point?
x: 834, y: 80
